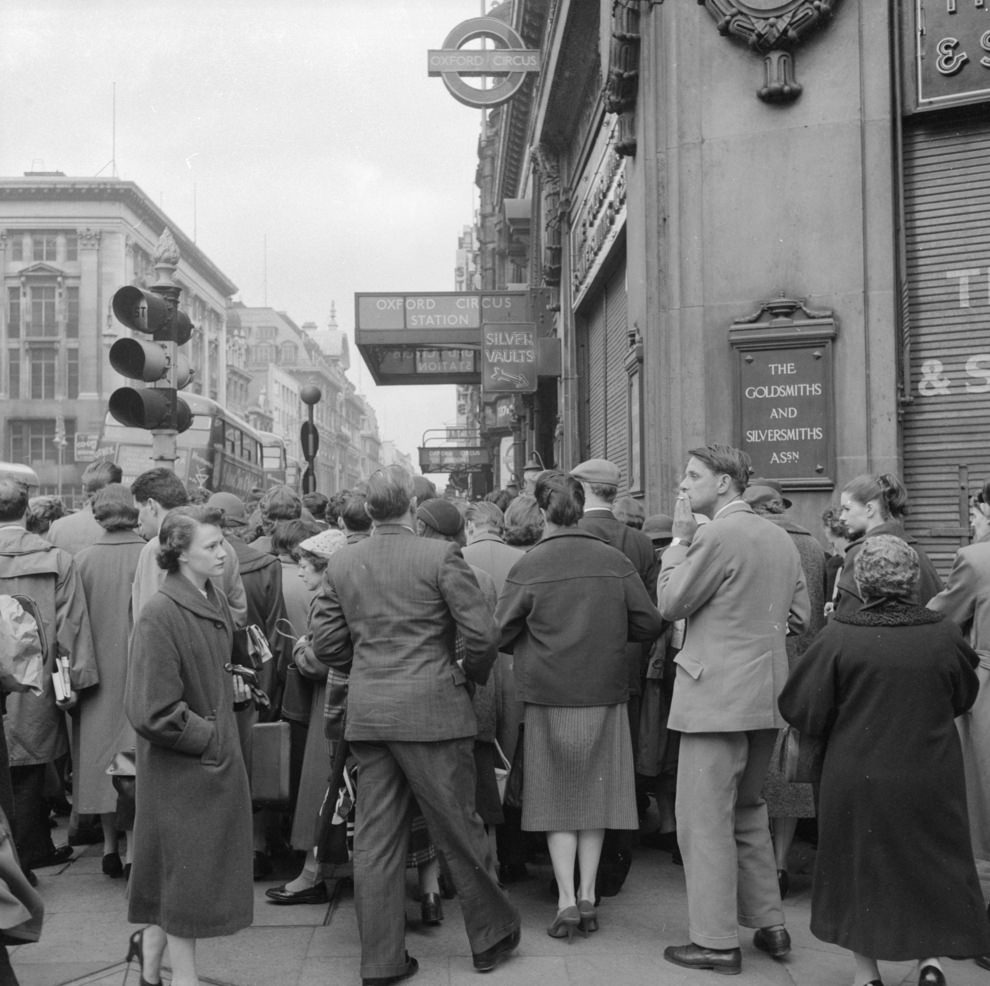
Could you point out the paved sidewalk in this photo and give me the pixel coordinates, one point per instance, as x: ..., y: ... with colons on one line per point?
x: 86, y: 930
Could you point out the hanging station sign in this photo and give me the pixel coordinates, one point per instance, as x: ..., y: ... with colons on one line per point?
x: 431, y: 338
x: 507, y: 64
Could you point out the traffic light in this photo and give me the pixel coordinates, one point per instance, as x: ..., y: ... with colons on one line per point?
x: 159, y: 363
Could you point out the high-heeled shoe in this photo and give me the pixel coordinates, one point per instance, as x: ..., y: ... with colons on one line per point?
x: 112, y: 866
x: 135, y: 951
x: 567, y: 921
x: 589, y: 916
x: 931, y: 975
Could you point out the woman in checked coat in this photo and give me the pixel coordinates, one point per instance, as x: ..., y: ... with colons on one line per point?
x: 192, y: 871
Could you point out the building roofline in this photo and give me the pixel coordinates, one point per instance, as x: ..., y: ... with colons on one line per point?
x: 39, y: 188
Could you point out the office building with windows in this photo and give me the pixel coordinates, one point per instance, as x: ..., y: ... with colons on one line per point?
x: 66, y: 245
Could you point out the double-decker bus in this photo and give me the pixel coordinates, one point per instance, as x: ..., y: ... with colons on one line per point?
x: 218, y: 452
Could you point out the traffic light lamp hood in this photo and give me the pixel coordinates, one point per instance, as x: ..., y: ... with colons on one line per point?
x: 145, y: 311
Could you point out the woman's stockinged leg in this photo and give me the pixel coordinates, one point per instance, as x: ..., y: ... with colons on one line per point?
x: 589, y: 852
x: 563, y: 853
x: 182, y: 953
x: 866, y: 970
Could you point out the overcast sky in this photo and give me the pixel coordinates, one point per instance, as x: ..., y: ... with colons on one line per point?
x: 311, y: 124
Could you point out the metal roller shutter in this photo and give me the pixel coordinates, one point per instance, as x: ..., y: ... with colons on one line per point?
x: 946, y: 424
x: 604, y: 383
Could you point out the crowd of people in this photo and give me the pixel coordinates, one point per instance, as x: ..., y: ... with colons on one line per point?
x: 475, y: 685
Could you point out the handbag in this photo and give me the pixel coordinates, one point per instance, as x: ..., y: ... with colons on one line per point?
x: 514, y: 784
x: 335, y: 826
x: 123, y: 771
x: 800, y: 757
x: 270, y: 763
x: 502, y: 768
x: 335, y: 705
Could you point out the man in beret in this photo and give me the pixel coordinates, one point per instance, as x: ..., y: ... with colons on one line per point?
x: 600, y: 480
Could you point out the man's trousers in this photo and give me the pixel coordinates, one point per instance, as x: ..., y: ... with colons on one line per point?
x: 441, y: 777
x: 724, y: 835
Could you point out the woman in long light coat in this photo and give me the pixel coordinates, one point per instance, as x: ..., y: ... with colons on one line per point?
x: 107, y: 569
x: 192, y: 875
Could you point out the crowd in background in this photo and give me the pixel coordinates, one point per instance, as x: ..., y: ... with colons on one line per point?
x: 615, y: 677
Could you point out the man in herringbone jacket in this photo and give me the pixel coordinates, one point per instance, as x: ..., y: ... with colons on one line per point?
x: 389, y: 612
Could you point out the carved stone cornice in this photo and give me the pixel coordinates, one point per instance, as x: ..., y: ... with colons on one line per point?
x: 774, y: 28
x: 622, y: 81
x: 89, y: 239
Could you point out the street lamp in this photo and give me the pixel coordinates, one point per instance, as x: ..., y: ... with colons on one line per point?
x: 309, y: 437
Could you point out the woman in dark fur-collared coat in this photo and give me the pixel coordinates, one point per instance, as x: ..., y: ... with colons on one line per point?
x: 192, y: 875
x: 894, y: 875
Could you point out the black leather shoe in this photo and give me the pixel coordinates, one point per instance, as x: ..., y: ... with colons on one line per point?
x: 487, y: 960
x: 63, y: 854
x: 112, y: 866
x: 431, y: 909
x: 725, y: 961
x: 983, y: 961
x: 317, y: 894
x: 412, y: 967
x: 776, y: 942
x: 931, y: 975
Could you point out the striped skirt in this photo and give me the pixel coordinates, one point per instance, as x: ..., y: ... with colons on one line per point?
x: 578, y: 769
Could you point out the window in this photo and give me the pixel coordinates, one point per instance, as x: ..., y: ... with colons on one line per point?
x: 72, y: 373
x: 17, y: 246
x: 43, y: 361
x: 33, y: 442
x: 13, y: 313
x: 43, y: 322
x: 72, y: 313
x: 14, y: 373
x: 290, y: 352
x: 45, y: 246
x: 71, y: 246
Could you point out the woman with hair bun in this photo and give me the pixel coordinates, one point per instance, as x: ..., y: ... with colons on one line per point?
x: 872, y: 505
x: 193, y: 847
x: 568, y: 608
x: 894, y: 873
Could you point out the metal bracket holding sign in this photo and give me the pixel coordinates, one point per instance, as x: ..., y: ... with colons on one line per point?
x: 509, y: 63
x: 783, y: 369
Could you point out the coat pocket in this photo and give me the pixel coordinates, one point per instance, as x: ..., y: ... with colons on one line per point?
x: 211, y: 755
x: 691, y: 665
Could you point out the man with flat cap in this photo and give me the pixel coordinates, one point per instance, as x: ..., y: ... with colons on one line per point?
x: 600, y: 480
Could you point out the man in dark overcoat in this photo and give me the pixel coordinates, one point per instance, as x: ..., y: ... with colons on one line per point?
x: 389, y: 612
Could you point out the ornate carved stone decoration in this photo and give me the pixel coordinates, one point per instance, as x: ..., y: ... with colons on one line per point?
x: 550, y: 211
x: 623, y: 73
x: 89, y: 239
x: 774, y: 28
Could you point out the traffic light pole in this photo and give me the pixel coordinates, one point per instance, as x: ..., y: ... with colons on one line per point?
x: 164, y: 441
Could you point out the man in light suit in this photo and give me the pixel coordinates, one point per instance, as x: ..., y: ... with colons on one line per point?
x: 389, y: 612
x: 738, y: 583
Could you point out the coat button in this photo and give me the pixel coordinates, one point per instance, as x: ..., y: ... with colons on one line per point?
x: 219, y: 626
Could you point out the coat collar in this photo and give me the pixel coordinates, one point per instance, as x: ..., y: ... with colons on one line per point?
x: 120, y: 537
x: 392, y: 528
x: 568, y: 532
x: 733, y: 507
x: 179, y: 589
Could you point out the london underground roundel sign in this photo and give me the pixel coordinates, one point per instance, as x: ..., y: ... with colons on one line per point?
x: 510, y: 61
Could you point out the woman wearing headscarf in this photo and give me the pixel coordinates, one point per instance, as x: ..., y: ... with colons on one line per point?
x: 894, y: 875
x: 568, y: 608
